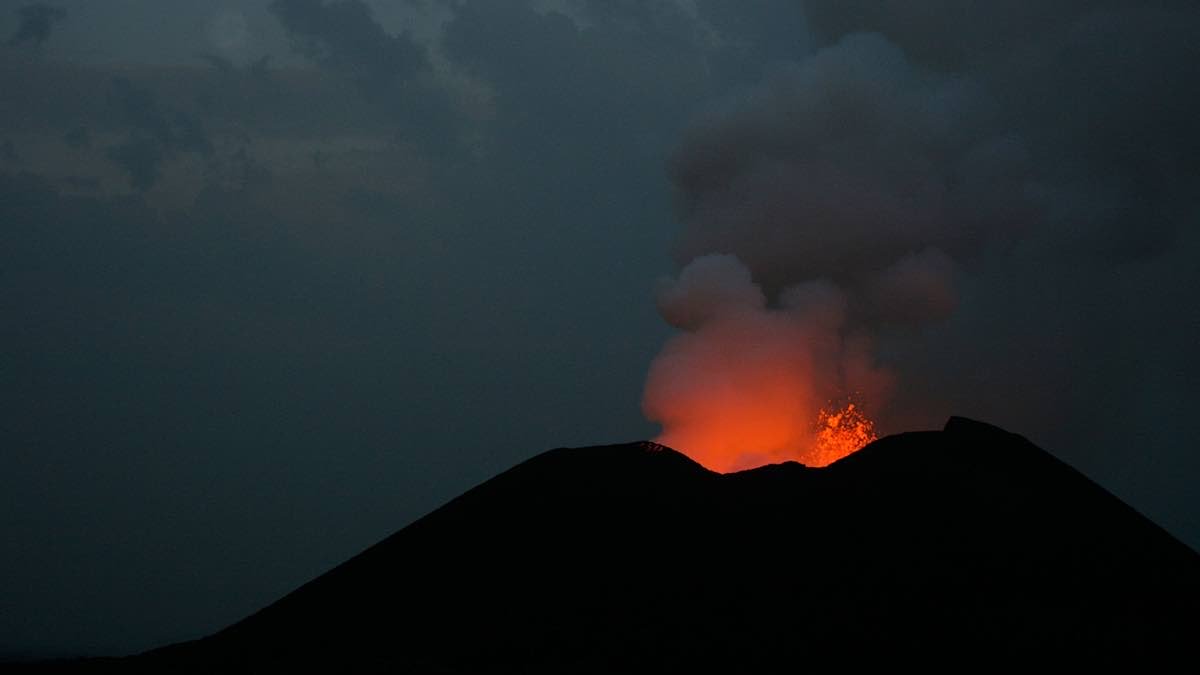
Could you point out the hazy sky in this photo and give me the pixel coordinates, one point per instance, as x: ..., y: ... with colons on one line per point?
x: 280, y: 277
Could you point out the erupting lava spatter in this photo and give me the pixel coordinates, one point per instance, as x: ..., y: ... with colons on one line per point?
x: 840, y: 433
x: 745, y: 438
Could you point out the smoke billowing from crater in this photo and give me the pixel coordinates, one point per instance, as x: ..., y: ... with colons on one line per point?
x: 890, y: 215
x: 827, y: 195
x: 743, y: 385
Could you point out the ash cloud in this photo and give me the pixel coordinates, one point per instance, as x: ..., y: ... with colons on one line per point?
x: 855, y: 171
x: 989, y: 188
x: 842, y: 164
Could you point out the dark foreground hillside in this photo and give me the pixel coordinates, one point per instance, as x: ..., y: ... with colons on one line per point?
x: 966, y: 546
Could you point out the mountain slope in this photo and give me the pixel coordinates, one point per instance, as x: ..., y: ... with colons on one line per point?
x: 923, y: 546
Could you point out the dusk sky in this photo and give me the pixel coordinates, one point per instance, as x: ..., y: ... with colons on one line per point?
x: 279, y: 277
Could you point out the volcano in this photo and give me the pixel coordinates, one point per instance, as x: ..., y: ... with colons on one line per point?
x: 963, y: 546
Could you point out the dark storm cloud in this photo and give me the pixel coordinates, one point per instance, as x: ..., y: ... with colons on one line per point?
x: 391, y: 70
x: 8, y: 152
x: 156, y: 134
x: 36, y: 22
x: 343, y: 35
x: 219, y: 63
x: 78, y: 138
x: 755, y: 35
x: 1025, y: 172
x: 234, y: 384
x: 630, y: 73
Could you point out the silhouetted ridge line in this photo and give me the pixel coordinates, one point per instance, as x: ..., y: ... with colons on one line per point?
x: 964, y: 543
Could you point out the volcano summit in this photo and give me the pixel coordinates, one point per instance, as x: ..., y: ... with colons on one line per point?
x: 966, y: 543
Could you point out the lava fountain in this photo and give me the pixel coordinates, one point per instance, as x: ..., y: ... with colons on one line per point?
x: 840, y: 433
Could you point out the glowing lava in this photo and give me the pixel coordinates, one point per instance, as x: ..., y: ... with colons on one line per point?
x: 840, y: 433
x: 735, y: 438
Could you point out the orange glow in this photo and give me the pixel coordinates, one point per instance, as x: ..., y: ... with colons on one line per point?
x: 749, y: 381
x: 742, y: 437
x: 839, y: 434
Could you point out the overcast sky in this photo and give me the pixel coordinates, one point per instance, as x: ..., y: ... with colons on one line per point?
x: 279, y: 277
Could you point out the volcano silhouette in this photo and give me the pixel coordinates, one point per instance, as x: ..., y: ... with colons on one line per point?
x: 968, y: 542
